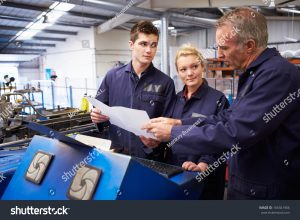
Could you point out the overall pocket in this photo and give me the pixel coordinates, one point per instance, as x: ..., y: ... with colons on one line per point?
x: 153, y: 104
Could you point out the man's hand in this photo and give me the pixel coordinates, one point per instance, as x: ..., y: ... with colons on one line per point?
x: 190, y: 166
x: 149, y: 142
x: 169, y: 121
x: 97, y: 117
x: 161, y: 131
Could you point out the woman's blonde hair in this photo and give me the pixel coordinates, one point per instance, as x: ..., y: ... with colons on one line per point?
x: 186, y: 50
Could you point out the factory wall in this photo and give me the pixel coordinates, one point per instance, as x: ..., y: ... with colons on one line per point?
x: 277, y: 30
x: 74, y: 64
x: 112, y: 49
x: 28, y: 74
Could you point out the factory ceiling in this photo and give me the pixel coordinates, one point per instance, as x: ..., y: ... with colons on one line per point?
x: 30, y: 27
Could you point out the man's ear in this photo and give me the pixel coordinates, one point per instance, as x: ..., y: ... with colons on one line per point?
x: 251, y: 46
x: 130, y: 43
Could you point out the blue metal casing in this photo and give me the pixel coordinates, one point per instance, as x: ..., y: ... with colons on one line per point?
x: 122, y: 177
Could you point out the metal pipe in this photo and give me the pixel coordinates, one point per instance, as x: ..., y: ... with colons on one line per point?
x: 15, y: 143
x: 164, y: 57
x: 27, y: 99
x: 143, y: 12
x: 205, y: 22
x: 120, y: 8
x: 52, y: 93
x: 30, y: 103
x: 71, y: 97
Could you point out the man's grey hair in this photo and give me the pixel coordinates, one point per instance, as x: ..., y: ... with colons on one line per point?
x: 250, y: 23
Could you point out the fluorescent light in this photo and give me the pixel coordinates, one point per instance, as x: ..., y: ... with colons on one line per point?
x: 61, y: 6
x: 39, y: 26
x: 64, y: 7
x: 54, y: 15
x: 290, y: 39
x: 272, y: 4
x: 92, y: 1
x: 28, y: 34
x: 41, y: 15
x: 53, y: 5
x: 19, y: 33
x: 29, y: 25
x: 290, y: 10
x: 57, y: 9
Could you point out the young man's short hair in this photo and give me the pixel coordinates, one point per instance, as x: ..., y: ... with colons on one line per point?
x: 145, y: 27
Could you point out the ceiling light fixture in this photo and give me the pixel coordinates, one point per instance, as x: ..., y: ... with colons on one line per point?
x: 64, y: 7
x: 44, y: 20
x: 53, y: 5
x: 290, y: 10
x: 272, y: 4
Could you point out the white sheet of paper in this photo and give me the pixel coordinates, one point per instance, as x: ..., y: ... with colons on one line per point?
x: 102, y: 144
x: 125, y: 118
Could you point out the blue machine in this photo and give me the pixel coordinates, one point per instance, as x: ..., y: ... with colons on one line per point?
x: 56, y: 170
x: 9, y: 161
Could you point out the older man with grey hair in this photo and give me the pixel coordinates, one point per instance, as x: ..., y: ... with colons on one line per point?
x: 263, y: 121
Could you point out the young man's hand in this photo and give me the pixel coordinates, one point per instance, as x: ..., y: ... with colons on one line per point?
x: 97, y: 117
x: 149, y: 142
x: 190, y: 166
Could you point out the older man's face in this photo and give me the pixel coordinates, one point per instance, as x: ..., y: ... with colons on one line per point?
x: 229, y: 49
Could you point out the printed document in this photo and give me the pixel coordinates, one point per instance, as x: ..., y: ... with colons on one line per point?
x: 125, y: 118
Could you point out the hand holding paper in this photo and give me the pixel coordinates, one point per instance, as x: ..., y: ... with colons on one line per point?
x: 97, y: 116
x: 126, y: 118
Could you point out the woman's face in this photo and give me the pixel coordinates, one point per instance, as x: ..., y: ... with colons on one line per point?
x: 190, y: 70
